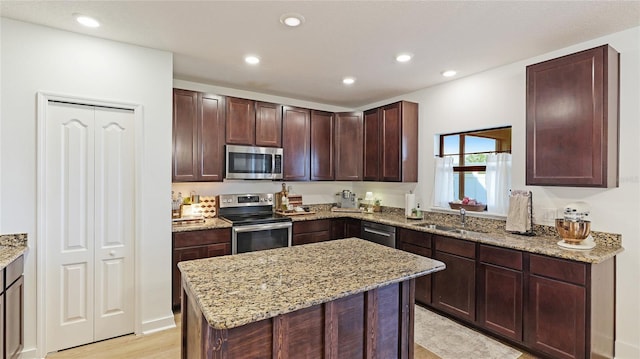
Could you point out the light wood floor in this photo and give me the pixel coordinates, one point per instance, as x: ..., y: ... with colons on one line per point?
x: 163, y: 345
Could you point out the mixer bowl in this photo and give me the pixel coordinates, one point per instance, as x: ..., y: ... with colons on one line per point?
x: 573, y: 232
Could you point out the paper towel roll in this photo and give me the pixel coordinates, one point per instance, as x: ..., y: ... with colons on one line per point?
x: 409, y: 203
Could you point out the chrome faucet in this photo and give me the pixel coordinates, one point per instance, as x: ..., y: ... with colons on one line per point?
x: 463, y: 215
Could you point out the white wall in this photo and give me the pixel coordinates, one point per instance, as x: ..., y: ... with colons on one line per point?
x: 36, y: 58
x: 497, y: 98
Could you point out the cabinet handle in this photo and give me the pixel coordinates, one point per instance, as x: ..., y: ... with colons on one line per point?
x: 377, y: 232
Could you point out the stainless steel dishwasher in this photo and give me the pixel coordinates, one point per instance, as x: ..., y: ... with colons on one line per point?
x: 379, y: 233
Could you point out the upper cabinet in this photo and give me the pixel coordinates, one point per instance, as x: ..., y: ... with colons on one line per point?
x: 253, y: 123
x: 572, y: 120
x: 391, y: 143
x: 198, y: 136
x: 322, y: 139
x: 296, y: 143
x: 348, y: 150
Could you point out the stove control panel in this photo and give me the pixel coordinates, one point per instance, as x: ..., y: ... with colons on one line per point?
x: 245, y: 200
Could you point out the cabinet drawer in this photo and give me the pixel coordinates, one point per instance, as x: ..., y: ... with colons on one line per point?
x: 312, y: 226
x: 455, y: 246
x: 14, y: 270
x: 503, y: 257
x: 416, y: 238
x: 560, y: 269
x: 198, y: 238
x: 412, y: 248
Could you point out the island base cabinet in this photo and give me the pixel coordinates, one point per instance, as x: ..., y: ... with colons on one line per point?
x: 373, y: 324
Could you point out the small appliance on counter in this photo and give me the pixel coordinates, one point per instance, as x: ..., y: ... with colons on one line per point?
x: 347, y: 199
x: 574, y: 228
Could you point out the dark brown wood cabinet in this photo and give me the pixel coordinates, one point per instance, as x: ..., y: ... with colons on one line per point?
x: 296, y: 143
x: 268, y: 124
x: 500, y: 289
x: 12, y: 309
x: 348, y: 146
x: 418, y: 243
x: 252, y: 123
x: 314, y: 231
x: 391, y: 143
x: 572, y: 120
x: 196, y: 245
x: 322, y: 139
x: 454, y: 289
x: 240, y: 121
x: 198, y: 136
x: 345, y: 228
x: 571, y: 308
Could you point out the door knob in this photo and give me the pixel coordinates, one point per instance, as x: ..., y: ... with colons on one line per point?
x: 112, y: 253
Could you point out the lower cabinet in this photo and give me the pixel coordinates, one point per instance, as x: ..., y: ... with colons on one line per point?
x: 418, y: 243
x: 454, y: 289
x: 12, y: 310
x: 500, y: 287
x: 305, y: 232
x: 554, y: 307
x: 196, y: 245
x: 345, y: 228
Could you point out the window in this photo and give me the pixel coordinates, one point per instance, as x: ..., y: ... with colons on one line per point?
x: 469, y: 152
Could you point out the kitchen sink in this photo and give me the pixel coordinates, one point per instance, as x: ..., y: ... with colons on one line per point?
x: 445, y: 228
x: 437, y: 226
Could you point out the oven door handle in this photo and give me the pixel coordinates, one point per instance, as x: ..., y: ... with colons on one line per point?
x: 261, y: 227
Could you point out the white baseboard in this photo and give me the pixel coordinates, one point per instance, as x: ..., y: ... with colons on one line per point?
x: 30, y: 353
x: 159, y: 324
x: 627, y: 350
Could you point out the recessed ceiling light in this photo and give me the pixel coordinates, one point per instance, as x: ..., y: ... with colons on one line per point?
x: 292, y: 20
x: 348, y: 80
x: 87, y: 20
x: 403, y: 57
x: 449, y: 73
x: 252, y: 60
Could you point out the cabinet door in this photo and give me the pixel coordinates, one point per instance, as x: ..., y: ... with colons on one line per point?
x: 216, y: 250
x: 211, y: 138
x: 241, y: 121
x: 348, y: 146
x: 500, y: 300
x: 322, y: 129
x: 454, y: 289
x: 312, y: 237
x: 179, y: 255
x: 338, y: 228
x: 371, y: 138
x: 572, y: 120
x: 390, y: 143
x: 2, y: 317
x: 14, y: 320
x: 268, y: 124
x: 556, y: 318
x: 423, y: 284
x: 295, y: 143
x: 185, y: 135
x: 353, y: 228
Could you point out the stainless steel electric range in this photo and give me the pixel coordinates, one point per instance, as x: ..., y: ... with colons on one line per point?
x: 255, y: 226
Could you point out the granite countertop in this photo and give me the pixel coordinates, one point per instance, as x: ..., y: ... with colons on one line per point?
x: 12, y: 246
x: 545, y: 242
x: 236, y: 290
x: 209, y: 223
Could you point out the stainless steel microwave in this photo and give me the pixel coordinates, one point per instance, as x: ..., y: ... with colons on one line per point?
x: 249, y: 162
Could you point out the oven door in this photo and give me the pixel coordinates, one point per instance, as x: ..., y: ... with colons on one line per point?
x: 257, y: 237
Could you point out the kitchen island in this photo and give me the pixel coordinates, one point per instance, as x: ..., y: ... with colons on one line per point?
x: 344, y: 298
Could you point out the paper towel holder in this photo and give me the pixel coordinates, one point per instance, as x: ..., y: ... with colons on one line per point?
x: 529, y: 194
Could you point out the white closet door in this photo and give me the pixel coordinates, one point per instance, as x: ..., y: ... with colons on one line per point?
x: 114, y: 222
x: 69, y: 218
x: 89, y: 224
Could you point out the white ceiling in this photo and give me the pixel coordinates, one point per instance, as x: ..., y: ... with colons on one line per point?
x: 209, y: 39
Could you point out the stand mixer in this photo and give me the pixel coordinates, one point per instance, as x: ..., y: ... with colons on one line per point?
x: 574, y: 228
